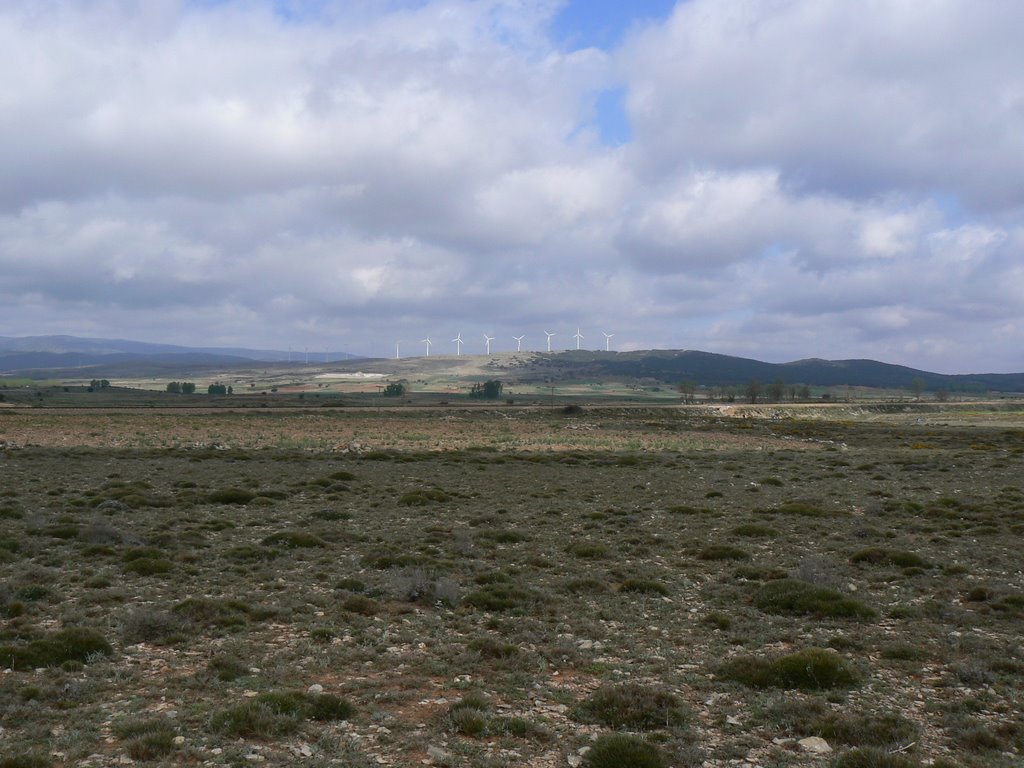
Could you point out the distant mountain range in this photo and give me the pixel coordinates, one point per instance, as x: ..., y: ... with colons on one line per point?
x: 56, y: 356
x: 49, y: 353
x: 709, y: 369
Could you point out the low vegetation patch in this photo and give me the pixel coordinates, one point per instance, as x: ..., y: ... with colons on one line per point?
x: 632, y: 706
x: 73, y: 644
x: 811, y: 669
x: 799, y: 598
x: 881, y: 556
x: 621, y: 750
x: 723, y: 552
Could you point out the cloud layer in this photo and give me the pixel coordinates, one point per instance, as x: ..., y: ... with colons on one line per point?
x: 803, y: 178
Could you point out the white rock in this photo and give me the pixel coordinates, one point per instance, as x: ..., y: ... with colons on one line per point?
x: 733, y: 720
x: 574, y: 761
x: 179, y: 740
x: 815, y: 744
x: 315, y: 688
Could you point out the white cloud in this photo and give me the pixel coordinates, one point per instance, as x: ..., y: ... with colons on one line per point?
x: 806, y: 177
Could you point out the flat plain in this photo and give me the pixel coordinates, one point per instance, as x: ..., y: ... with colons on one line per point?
x: 509, y: 586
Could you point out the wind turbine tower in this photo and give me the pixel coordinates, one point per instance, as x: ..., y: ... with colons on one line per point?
x: 549, y: 334
x: 427, y: 342
x: 607, y: 341
x: 398, y: 346
x: 579, y: 337
x: 519, y: 342
x: 487, y: 341
x: 458, y: 344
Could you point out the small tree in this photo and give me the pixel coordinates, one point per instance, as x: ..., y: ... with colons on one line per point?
x: 775, y: 390
x: 753, y: 390
x: 394, y: 389
x: 488, y: 390
x: 174, y: 387
x: 688, y: 389
x: 216, y: 389
x: 917, y: 387
x: 188, y: 388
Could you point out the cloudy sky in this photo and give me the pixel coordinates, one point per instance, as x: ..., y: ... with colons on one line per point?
x: 776, y: 179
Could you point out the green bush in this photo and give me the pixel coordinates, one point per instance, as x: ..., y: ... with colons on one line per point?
x: 869, y: 757
x: 146, y: 739
x: 723, y: 552
x: 502, y: 597
x: 881, y: 556
x: 799, y: 598
x: 620, y: 750
x: 73, y: 644
x: 811, y: 669
x: 633, y: 706
x: 294, y: 539
x: 422, y: 497
x: 644, y: 587
x: 867, y: 730
x: 589, y: 550
x: 25, y: 760
x: 279, y: 714
x: 231, y: 496
x: 755, y: 530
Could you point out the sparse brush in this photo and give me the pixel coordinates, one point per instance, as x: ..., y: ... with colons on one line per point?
x: 798, y: 598
x: 633, y: 706
x: 621, y: 750
x: 811, y: 669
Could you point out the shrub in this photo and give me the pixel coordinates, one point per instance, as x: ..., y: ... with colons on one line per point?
x: 489, y: 648
x: 279, y: 713
x: 257, y: 718
x: 214, y: 613
x: 145, y: 566
x: 360, y: 604
x: 249, y: 553
x: 294, y: 539
x: 73, y: 644
x: 799, y: 508
x: 145, y: 625
x: 633, y: 706
x: 422, y: 497
x: 620, y: 750
x: 644, y: 586
x: 146, y: 739
x: 589, y: 550
x: 897, y: 557
x: 502, y: 597
x: 723, y: 552
x: 798, y: 598
x: 810, y: 669
x: 231, y: 496
x: 325, y: 707
x: 227, y: 667
x: 867, y: 730
x: 755, y: 530
x: 25, y: 760
x: 869, y: 757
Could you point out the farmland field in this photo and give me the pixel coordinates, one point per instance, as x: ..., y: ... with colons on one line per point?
x: 512, y: 587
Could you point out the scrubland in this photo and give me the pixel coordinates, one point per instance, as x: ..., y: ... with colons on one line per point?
x: 510, y: 587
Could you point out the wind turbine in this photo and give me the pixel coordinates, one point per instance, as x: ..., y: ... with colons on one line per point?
x: 458, y: 344
x: 607, y: 340
x: 579, y: 337
x: 398, y: 346
x: 488, y: 340
x: 427, y: 342
x: 519, y: 342
x: 549, y: 334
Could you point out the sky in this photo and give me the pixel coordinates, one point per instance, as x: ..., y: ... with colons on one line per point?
x: 776, y: 179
